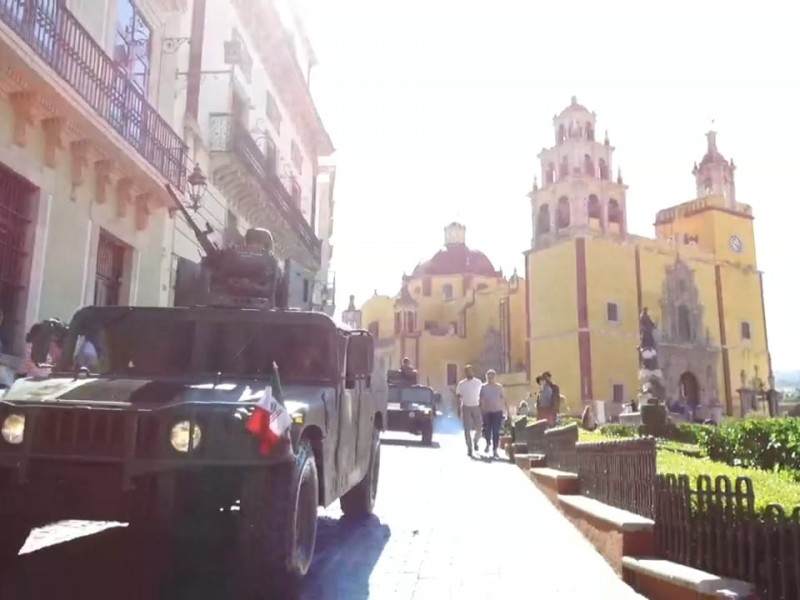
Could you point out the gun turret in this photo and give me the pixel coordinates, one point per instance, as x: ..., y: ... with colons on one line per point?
x: 210, y: 249
x: 229, y: 277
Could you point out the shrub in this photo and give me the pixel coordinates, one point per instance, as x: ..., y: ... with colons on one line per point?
x: 618, y: 430
x: 691, y: 433
x: 769, y: 444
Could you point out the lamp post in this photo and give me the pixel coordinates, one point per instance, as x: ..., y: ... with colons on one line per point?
x: 198, y: 184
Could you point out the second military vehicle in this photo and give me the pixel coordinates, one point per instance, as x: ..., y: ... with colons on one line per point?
x: 235, y: 412
x: 411, y: 408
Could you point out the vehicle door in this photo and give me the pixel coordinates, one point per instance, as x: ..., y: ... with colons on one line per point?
x: 347, y: 426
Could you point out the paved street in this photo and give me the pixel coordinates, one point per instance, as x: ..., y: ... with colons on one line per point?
x: 446, y: 527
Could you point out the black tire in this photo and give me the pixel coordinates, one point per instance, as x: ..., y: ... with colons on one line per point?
x: 277, y: 526
x: 427, y: 434
x: 14, y: 533
x: 360, y: 500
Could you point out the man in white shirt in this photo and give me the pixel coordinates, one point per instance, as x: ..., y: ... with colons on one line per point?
x: 468, y: 392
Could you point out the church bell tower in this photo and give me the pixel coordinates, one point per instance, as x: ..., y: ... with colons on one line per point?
x: 714, y: 174
x: 578, y: 195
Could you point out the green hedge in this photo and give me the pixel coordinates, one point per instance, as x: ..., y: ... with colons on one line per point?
x: 768, y: 444
x: 619, y: 430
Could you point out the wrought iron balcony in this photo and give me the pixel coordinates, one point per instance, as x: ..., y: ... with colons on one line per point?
x: 59, y: 39
x: 229, y: 135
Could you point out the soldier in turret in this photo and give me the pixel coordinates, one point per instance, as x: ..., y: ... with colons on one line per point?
x: 271, y: 285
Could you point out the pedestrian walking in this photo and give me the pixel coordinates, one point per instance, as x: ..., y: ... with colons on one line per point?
x: 492, y: 401
x: 468, y: 392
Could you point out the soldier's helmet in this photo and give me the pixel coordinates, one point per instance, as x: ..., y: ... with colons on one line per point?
x: 258, y: 236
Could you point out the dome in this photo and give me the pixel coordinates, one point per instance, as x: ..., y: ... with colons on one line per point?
x: 456, y: 259
x: 575, y: 107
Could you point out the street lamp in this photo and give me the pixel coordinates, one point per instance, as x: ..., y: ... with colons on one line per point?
x: 197, y: 187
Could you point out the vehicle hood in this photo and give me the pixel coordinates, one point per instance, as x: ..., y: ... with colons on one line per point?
x: 153, y: 393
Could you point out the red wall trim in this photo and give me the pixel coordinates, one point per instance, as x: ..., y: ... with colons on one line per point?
x: 764, y: 317
x: 528, y: 279
x: 584, y: 337
x: 723, y: 338
x: 638, y: 262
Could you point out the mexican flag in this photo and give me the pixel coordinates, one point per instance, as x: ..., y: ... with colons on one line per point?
x: 270, y: 420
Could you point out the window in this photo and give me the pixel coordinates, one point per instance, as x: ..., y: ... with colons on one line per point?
x: 109, y: 271
x: 297, y: 157
x: 746, y: 330
x: 612, y: 312
x: 426, y: 286
x: 273, y: 112
x: 132, y: 44
x: 305, y: 290
x: 684, y: 324
x: 242, y: 58
x: 410, y: 322
x: 374, y: 330
x: 452, y: 374
x: 271, y: 152
x: 618, y: 391
x: 447, y: 291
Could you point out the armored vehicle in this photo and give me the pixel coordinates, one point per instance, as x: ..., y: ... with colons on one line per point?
x: 182, y: 418
x: 411, y: 408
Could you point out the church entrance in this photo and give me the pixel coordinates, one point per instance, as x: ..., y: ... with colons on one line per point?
x: 690, y: 390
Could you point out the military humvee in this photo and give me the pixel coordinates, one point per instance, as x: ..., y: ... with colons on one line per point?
x: 156, y: 432
x: 411, y: 408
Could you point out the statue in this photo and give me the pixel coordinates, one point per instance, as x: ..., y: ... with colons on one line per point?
x: 646, y: 328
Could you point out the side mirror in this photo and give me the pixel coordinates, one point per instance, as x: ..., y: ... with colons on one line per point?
x: 360, y: 356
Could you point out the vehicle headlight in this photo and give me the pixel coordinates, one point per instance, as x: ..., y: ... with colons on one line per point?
x: 180, y: 439
x: 14, y: 429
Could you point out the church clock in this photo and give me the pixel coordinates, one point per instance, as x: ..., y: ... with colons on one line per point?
x: 736, y: 243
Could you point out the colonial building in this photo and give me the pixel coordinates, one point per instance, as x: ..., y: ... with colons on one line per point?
x: 250, y: 122
x: 103, y: 103
x: 698, y: 276
x: 86, y: 147
x: 454, y: 309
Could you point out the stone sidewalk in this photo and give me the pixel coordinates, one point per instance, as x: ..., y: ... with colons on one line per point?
x: 453, y: 527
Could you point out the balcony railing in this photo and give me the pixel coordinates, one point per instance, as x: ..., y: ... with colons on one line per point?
x: 56, y: 35
x: 228, y: 135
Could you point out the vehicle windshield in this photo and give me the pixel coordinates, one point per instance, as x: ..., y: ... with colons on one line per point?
x: 410, y: 394
x: 150, y: 345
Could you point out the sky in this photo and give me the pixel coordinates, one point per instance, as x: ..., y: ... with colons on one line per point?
x: 438, y: 109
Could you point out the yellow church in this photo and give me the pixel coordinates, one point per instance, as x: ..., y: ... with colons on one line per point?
x: 454, y: 309
x: 589, y: 278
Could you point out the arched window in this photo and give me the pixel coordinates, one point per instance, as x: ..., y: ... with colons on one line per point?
x: 707, y: 186
x: 562, y: 213
x: 589, y: 132
x: 684, y: 324
x: 543, y: 219
x: 603, y: 169
x: 411, y: 324
x: 561, y: 135
x: 563, y: 169
x: 588, y: 165
x: 594, y: 208
x: 550, y: 173
x: 614, y: 212
x: 447, y: 291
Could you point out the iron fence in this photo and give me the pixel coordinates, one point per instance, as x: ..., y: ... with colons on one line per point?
x: 559, y: 447
x: 620, y: 473
x: 59, y: 39
x: 714, y: 526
